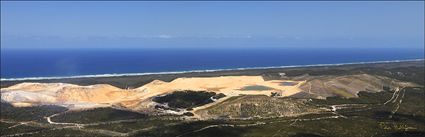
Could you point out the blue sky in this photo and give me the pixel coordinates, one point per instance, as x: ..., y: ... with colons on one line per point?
x: 212, y: 24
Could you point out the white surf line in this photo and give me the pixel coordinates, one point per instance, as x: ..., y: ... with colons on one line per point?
x: 208, y: 70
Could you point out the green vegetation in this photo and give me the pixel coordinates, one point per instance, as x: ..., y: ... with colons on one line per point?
x: 358, y: 122
x: 364, y: 98
x: 28, y: 113
x: 288, y: 83
x: 13, y: 128
x: 256, y: 88
x: 187, y: 99
x: 65, y: 133
x: 372, y: 121
x: 139, y: 124
x: 97, y: 115
x: 218, y: 96
x: 179, y: 129
x: 340, y: 92
x: 188, y: 114
x: 249, y: 106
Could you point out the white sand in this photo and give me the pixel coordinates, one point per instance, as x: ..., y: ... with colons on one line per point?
x: 103, y: 94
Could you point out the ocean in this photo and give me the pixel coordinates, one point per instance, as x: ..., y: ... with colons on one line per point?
x: 30, y: 63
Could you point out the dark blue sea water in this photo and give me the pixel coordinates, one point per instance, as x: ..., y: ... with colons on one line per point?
x: 21, y: 63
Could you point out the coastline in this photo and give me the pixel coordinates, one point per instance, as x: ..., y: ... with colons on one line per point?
x: 202, y: 71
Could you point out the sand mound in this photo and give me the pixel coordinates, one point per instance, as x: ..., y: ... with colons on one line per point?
x: 96, y: 94
x: 65, y: 94
x: 27, y: 86
x: 228, y: 85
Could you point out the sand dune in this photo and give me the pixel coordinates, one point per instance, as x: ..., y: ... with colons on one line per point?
x: 228, y: 85
x: 61, y: 93
x: 75, y: 96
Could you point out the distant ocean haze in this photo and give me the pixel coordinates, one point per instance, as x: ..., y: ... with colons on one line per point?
x: 21, y: 63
